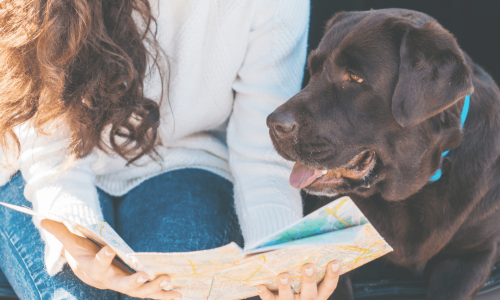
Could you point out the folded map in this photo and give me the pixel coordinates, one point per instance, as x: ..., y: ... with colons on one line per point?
x: 337, y: 230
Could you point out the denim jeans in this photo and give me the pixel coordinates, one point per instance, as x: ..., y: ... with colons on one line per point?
x: 5, y: 288
x: 183, y: 210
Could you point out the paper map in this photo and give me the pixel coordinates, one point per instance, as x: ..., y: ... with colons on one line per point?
x: 338, y: 230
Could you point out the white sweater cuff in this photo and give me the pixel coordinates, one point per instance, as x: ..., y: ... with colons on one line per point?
x: 80, y: 214
x: 54, y: 262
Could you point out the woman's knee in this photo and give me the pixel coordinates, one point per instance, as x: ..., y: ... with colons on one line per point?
x: 182, y: 210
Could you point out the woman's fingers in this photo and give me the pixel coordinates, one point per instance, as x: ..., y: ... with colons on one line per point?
x: 128, y: 283
x: 284, y: 287
x: 330, y: 281
x: 106, y: 257
x: 135, y: 285
x: 164, y: 295
x: 101, y: 263
x: 155, y: 287
x: 309, y: 289
x: 265, y: 293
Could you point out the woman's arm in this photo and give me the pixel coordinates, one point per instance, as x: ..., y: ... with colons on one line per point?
x: 68, y: 190
x: 271, y: 73
x: 97, y: 267
x: 54, y: 186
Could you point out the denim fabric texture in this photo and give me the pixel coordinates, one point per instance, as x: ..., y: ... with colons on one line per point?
x: 5, y: 288
x: 183, y: 210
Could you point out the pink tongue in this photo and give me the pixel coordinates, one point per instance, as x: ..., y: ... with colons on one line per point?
x: 303, y: 175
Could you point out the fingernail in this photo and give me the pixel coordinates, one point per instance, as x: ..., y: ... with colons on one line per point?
x: 141, y: 279
x: 163, y: 283
x: 108, y: 253
x: 259, y: 290
x: 309, y: 271
x: 335, y: 266
x: 284, y: 280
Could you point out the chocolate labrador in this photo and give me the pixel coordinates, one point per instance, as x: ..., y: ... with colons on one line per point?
x: 385, y: 103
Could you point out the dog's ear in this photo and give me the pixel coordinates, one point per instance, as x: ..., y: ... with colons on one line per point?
x: 432, y: 74
x: 336, y: 18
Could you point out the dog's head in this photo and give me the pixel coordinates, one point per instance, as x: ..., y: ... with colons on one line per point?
x: 383, y: 103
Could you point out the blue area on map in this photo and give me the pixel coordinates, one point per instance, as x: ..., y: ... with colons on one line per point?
x: 320, y: 222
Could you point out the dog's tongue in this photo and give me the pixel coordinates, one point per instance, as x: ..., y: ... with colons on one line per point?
x: 303, y: 175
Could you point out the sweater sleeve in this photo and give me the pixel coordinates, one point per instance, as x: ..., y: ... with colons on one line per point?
x: 271, y: 73
x: 56, y: 187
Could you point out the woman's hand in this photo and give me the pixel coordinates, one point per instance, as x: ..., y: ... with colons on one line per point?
x: 97, y: 267
x: 310, y: 291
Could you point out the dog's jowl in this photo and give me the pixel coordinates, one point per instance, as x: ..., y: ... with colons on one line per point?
x: 384, y: 102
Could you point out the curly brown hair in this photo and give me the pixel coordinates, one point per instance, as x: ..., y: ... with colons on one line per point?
x: 81, y: 62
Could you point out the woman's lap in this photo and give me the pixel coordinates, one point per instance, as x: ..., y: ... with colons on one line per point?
x: 188, y: 210
x: 193, y: 210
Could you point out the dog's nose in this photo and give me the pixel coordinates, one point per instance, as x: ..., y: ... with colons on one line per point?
x: 282, y: 123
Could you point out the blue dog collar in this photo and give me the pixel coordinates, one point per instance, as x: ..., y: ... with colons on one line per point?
x: 465, y: 111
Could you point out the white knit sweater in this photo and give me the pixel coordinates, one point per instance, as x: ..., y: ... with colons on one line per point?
x: 232, y: 62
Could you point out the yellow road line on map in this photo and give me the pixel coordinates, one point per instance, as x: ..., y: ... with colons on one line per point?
x: 334, y: 211
x: 192, y: 265
x: 351, y: 248
x: 215, y: 270
x: 245, y: 280
x: 374, y: 253
x: 249, y: 279
x: 102, y: 226
x: 298, y: 265
x: 263, y: 263
x: 355, y: 261
x: 374, y: 256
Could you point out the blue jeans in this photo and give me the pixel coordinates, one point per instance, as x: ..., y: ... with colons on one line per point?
x: 183, y: 210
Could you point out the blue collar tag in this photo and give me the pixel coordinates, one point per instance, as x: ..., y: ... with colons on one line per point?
x: 465, y: 111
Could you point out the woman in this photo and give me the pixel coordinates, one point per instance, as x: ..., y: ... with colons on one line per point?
x: 144, y: 116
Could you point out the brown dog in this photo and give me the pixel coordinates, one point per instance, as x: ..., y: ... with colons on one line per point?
x: 384, y: 102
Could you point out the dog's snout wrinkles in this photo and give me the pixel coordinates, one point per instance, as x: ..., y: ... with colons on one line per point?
x: 282, y: 123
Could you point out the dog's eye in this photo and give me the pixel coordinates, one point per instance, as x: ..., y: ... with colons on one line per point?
x: 354, y: 77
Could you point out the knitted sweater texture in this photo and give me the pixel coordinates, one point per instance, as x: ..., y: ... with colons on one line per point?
x: 232, y: 62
